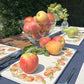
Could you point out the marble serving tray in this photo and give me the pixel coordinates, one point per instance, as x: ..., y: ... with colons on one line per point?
x: 7, y: 51
x: 48, y: 72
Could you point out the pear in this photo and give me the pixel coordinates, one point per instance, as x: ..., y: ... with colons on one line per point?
x: 66, y: 30
x: 71, y: 32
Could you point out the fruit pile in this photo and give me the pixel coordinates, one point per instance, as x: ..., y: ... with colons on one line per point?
x: 47, y: 46
x: 29, y: 59
x: 53, y: 46
x: 39, y: 25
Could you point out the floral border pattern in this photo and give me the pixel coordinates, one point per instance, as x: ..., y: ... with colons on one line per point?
x: 49, y: 71
x: 80, y: 35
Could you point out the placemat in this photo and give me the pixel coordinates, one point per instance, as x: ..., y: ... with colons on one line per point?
x: 7, y: 51
x: 49, y: 69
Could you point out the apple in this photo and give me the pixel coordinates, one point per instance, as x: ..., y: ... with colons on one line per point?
x: 44, y: 40
x: 54, y: 47
x: 32, y: 27
x: 51, y: 17
x: 42, y: 17
x: 26, y: 27
x: 35, y: 18
x: 28, y: 19
x: 45, y: 28
x: 60, y: 39
x: 36, y: 35
x: 29, y: 62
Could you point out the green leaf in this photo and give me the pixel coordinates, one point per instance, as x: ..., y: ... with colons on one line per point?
x: 40, y: 52
x: 29, y: 48
x: 35, y: 49
x: 46, y: 53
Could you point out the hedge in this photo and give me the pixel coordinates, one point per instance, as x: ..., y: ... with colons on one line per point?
x: 14, y: 10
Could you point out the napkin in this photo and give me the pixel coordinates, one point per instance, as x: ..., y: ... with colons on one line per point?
x: 80, y: 78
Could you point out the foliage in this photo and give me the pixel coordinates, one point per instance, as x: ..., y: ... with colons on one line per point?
x: 35, y: 49
x: 58, y: 11
x: 11, y: 11
x: 14, y: 10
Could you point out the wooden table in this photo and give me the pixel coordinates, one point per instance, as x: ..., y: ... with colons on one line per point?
x: 19, y: 41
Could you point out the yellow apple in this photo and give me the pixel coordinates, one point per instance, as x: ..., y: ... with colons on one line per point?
x: 42, y: 17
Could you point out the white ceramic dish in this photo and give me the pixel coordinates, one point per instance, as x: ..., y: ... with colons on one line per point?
x: 74, y: 41
x: 7, y: 51
x: 51, y: 63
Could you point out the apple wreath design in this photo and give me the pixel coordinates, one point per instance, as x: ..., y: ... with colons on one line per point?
x: 17, y: 72
x: 80, y: 35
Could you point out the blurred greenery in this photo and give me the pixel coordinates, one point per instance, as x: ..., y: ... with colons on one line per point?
x: 11, y: 11
x: 14, y: 10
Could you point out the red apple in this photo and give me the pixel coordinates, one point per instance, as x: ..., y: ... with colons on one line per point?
x: 51, y: 17
x: 54, y: 47
x: 29, y: 62
x: 32, y: 27
x: 35, y: 18
x: 60, y: 39
x: 45, y: 28
x: 28, y: 19
x: 42, y: 17
x: 36, y: 35
x: 26, y: 27
x: 44, y: 40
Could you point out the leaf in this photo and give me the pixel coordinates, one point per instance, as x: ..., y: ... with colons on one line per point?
x: 40, y: 52
x: 28, y: 48
x: 35, y: 49
x: 46, y: 53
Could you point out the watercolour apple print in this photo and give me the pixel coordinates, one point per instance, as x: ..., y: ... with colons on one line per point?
x: 48, y: 71
x: 7, y: 51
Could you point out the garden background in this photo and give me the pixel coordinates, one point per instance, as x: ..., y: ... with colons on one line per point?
x: 12, y: 11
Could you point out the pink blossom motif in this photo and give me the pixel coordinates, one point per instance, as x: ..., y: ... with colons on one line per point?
x: 11, y: 49
x: 2, y: 49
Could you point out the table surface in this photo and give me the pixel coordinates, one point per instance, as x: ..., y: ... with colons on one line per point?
x: 21, y: 41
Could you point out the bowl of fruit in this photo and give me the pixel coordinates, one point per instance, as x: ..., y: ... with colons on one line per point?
x: 38, y: 26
